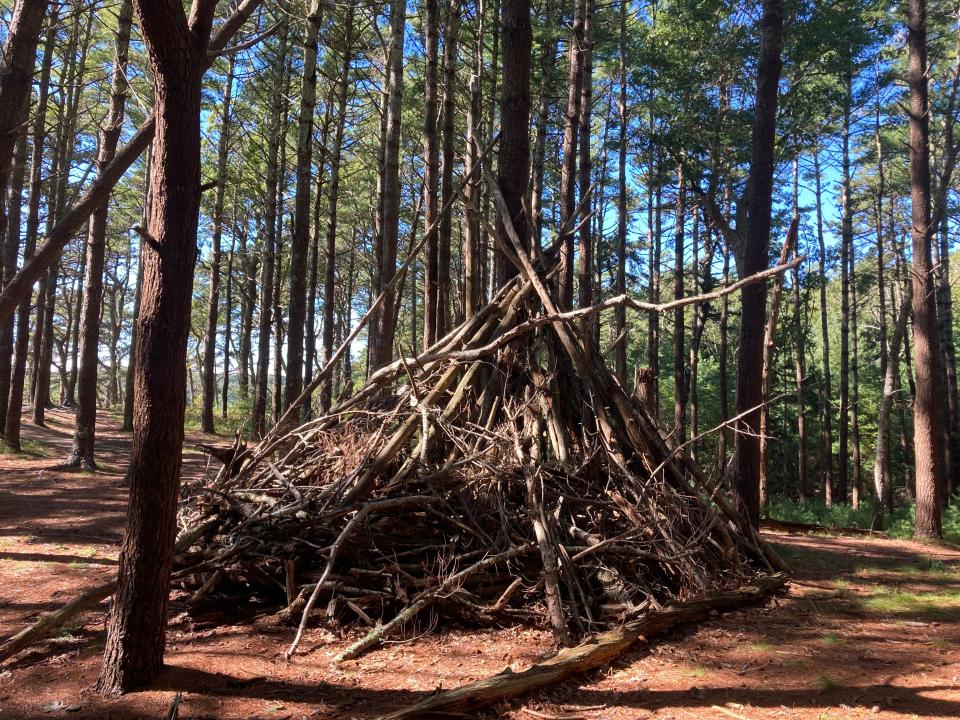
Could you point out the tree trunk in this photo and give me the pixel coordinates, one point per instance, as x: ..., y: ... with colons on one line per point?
x: 227, y: 334
x: 10, y: 250
x: 137, y: 295
x: 945, y: 317
x: 68, y: 119
x: 568, y: 175
x: 846, y: 248
x: 209, y: 381
x: 513, y: 167
x: 928, y: 408
x: 84, y: 432
x: 333, y: 196
x: 725, y: 440
x: 300, y: 243
x: 799, y: 345
x: 248, y: 292
x: 16, y: 76
x: 431, y: 169
x: 585, y: 269
x: 679, y: 352
x: 754, y: 296
x: 445, y: 231
x: 767, y: 371
x: 390, y: 224
x: 70, y: 394
x: 269, y: 249
x: 882, y: 477
x: 826, y: 392
x: 472, y: 258
x: 176, y: 46
x: 857, y: 489
x: 548, y: 70
x: 882, y: 480
x: 39, y: 132
x: 620, y: 285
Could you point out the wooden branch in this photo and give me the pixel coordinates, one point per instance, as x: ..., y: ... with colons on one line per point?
x: 21, y: 284
x: 48, y: 622
x: 590, y: 655
x: 425, y: 600
x: 362, y: 513
x: 293, y: 410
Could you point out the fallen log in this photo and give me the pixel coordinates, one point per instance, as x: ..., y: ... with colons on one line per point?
x: 48, y: 622
x: 589, y: 655
x: 790, y: 526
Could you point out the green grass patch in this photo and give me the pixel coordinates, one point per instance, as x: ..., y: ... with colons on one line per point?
x: 894, y: 601
x: 831, y: 639
x: 762, y: 647
x: 30, y: 448
x: 829, y: 682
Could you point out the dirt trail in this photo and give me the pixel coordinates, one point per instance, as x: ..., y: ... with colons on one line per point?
x: 869, y: 629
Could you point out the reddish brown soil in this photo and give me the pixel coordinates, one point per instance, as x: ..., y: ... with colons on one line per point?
x: 825, y: 651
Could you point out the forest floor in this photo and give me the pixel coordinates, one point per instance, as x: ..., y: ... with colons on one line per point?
x: 870, y: 628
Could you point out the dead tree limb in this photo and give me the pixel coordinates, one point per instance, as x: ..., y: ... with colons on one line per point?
x: 591, y: 655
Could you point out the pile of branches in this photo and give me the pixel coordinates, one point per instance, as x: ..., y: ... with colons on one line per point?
x: 504, y: 475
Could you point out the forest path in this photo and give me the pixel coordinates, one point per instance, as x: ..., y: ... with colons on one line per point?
x: 869, y: 628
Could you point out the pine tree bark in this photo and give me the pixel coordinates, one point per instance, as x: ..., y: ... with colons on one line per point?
x: 227, y: 333
x: 390, y: 224
x: 209, y: 380
x: 76, y: 53
x: 84, y: 431
x: 176, y: 46
x: 585, y: 169
x: 928, y: 408
x: 679, y: 328
x: 472, y: 259
x: 548, y: 70
x: 855, y: 458
x: 248, y: 293
x: 754, y: 296
x: 431, y: 169
x: 568, y: 172
x: 846, y: 241
x: 725, y: 440
x: 513, y: 167
x: 333, y: 197
x: 826, y: 391
x: 10, y: 250
x: 31, y: 231
x: 300, y: 243
x: 620, y: 284
x: 137, y: 295
x: 881, y: 469
x: 17, y: 61
x: 269, y: 250
x: 445, y: 231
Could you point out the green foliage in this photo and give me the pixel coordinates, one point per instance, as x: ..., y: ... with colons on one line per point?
x: 899, y: 525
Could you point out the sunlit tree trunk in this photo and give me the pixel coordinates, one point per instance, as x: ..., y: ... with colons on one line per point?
x: 929, y: 405
x: 136, y: 633
x: 209, y: 380
x: 84, y: 434
x: 753, y: 297
x: 568, y: 174
x: 826, y: 392
x: 268, y: 252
